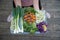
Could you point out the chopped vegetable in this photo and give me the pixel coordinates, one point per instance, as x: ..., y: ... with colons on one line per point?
x: 29, y: 20
x: 42, y: 27
x: 17, y: 22
x: 30, y: 17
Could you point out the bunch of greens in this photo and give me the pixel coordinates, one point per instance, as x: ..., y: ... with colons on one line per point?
x: 17, y: 22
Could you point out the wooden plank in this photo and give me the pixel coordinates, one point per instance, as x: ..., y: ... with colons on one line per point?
x: 21, y: 37
x: 4, y: 31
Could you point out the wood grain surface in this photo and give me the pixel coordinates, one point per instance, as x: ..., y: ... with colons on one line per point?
x: 51, y: 6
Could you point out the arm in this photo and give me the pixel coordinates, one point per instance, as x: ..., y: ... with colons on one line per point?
x: 36, y: 4
x: 17, y: 3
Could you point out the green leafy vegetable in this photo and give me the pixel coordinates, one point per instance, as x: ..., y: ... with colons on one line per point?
x: 29, y: 27
x: 17, y: 22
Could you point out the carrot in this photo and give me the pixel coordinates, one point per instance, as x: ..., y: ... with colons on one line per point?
x: 29, y: 17
x: 25, y: 16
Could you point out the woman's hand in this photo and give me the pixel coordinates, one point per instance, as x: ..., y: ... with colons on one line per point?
x: 36, y: 4
x: 17, y: 3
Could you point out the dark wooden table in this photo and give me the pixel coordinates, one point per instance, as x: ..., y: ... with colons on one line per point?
x: 51, y: 6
